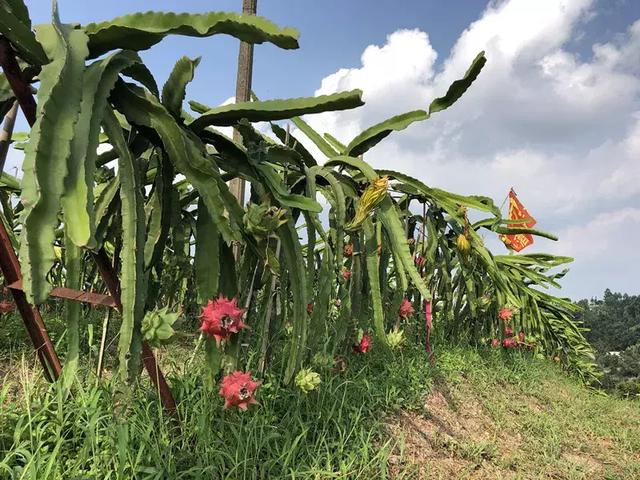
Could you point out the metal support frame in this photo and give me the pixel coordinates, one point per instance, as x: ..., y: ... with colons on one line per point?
x: 10, y: 266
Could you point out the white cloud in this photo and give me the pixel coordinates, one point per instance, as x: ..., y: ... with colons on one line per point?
x: 562, y: 130
x: 607, y: 234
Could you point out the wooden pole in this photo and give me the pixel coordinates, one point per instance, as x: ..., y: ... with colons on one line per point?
x: 243, y: 91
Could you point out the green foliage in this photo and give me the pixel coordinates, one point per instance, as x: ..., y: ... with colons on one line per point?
x: 344, y: 429
x: 457, y: 88
x: 73, y: 266
x: 141, y: 31
x: 376, y: 133
x: 183, y: 149
x: 174, y: 90
x: 307, y: 380
x: 133, y: 287
x: 48, y: 151
x: 157, y: 325
x: 261, y: 220
x: 77, y: 200
x: 373, y: 135
x: 207, y: 255
x: 15, y: 25
x: 613, y: 321
x: 622, y: 371
x: 613, y: 324
x: 333, y: 431
x: 228, y: 115
x: 180, y: 238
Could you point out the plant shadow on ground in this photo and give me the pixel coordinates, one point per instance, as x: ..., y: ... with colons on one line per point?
x: 472, y: 414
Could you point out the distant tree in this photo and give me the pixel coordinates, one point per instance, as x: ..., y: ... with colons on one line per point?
x: 614, y: 324
x: 614, y: 321
x: 622, y: 372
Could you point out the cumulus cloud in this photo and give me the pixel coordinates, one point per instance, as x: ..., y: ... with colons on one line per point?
x: 563, y: 130
x: 601, y: 244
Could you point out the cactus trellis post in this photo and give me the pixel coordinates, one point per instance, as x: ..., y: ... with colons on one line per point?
x: 10, y: 266
x: 243, y: 91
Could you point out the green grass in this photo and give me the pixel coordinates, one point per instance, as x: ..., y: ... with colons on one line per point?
x: 524, y: 418
x: 335, y: 432
x: 499, y: 416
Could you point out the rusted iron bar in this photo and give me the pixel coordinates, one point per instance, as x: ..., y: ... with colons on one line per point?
x: 77, y: 295
x: 30, y: 315
x: 9, y: 263
x: 9, y: 260
x: 19, y: 85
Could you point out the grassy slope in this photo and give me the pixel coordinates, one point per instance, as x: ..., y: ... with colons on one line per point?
x: 495, y: 417
x: 472, y: 415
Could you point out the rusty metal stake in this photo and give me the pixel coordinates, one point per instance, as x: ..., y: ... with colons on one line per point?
x: 30, y: 314
x: 70, y: 294
x: 9, y: 263
x: 20, y: 86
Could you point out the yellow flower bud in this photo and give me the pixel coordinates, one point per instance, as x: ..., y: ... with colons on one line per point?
x: 371, y: 197
x: 463, y: 243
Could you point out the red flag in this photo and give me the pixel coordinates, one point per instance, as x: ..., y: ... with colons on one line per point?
x: 517, y: 211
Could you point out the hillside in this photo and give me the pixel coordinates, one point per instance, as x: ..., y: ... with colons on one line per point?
x: 472, y: 414
x: 516, y: 418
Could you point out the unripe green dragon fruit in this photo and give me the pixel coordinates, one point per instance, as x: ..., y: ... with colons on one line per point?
x: 307, y: 380
x: 261, y: 220
x: 157, y: 325
x: 395, y: 338
x: 484, y: 302
x: 323, y: 361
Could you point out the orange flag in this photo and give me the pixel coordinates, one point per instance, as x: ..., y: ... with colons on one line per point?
x: 517, y: 211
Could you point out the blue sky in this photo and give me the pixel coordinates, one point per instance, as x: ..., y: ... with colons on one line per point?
x: 555, y: 114
x: 333, y: 34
